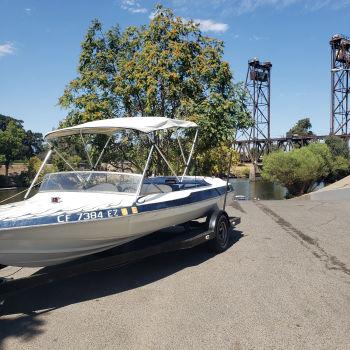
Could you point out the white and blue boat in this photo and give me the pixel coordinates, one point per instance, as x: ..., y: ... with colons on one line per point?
x: 78, y: 213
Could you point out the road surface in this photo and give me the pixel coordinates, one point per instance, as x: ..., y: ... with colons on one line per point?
x: 283, y: 284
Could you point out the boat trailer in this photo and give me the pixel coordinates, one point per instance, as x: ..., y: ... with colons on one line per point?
x: 216, y: 231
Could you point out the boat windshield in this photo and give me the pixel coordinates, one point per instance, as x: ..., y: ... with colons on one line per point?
x: 91, y: 181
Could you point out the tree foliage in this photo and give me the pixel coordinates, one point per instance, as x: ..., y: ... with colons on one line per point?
x: 215, y: 161
x: 17, y: 143
x: 337, y: 146
x: 34, y: 164
x: 167, y: 68
x: 341, y: 162
x: 301, y: 128
x: 4, y: 120
x: 11, y: 143
x: 340, y: 169
x: 34, y: 140
x: 300, y: 170
x: 33, y: 144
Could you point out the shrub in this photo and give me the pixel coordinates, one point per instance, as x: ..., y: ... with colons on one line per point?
x: 337, y: 146
x: 340, y: 169
x: 215, y: 160
x: 34, y: 164
x: 299, y: 170
x: 241, y: 171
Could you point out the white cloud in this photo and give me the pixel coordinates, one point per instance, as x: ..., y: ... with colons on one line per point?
x: 208, y: 25
x: 28, y: 11
x: 133, y: 6
x: 6, y: 49
x: 205, y: 25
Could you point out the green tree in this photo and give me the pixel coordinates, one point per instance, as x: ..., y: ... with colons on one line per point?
x: 338, y: 146
x: 215, y: 161
x: 11, y: 143
x: 34, y: 164
x: 299, y: 170
x: 341, y: 162
x: 33, y: 144
x: 340, y: 169
x: 301, y: 128
x: 167, y: 68
x: 4, y: 120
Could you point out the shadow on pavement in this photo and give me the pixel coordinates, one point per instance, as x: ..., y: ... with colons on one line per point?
x: 92, y: 285
x: 25, y: 327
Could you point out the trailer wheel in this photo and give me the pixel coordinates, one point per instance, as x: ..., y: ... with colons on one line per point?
x: 220, y: 224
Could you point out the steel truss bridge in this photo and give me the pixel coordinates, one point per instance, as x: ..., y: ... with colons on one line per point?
x: 253, y: 150
x: 256, y: 141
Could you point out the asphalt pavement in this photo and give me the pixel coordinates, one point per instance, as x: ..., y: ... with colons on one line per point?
x: 283, y: 284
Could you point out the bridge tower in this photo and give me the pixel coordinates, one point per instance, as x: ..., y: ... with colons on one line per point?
x: 258, y: 87
x: 340, y: 80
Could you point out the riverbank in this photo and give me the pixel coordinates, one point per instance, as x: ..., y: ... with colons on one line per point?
x: 337, y: 191
x: 16, y: 178
x: 14, y: 169
x: 13, y: 181
x: 10, y: 195
x: 241, y: 171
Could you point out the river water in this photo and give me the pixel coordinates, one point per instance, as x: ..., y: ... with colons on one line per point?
x: 259, y: 189
x: 6, y: 193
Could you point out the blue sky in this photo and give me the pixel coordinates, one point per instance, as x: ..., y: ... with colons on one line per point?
x: 40, y: 45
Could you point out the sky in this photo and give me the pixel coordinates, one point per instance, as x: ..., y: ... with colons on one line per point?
x: 40, y: 45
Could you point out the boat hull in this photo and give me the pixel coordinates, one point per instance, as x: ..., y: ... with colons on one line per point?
x: 53, y: 244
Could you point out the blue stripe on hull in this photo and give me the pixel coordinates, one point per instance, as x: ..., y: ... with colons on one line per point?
x: 113, y: 212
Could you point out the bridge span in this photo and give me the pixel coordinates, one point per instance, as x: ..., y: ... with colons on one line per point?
x: 254, y: 149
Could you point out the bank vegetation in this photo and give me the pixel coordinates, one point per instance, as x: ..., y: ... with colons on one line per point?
x: 303, y: 169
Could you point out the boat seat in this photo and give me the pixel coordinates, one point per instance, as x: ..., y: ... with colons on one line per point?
x: 155, y: 188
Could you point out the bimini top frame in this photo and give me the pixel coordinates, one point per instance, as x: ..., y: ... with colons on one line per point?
x: 146, y: 125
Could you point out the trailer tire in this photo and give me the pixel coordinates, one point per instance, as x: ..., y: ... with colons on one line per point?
x: 220, y: 224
